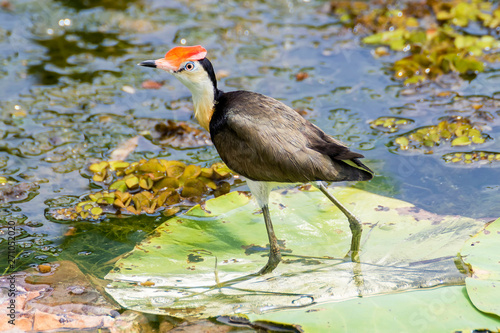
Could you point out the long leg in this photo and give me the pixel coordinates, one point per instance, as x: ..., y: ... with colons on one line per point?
x: 274, y: 251
x: 354, y: 223
x: 260, y: 191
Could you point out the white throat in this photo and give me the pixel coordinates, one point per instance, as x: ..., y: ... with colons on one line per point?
x: 202, y: 89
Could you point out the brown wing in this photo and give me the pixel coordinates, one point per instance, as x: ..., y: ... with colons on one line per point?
x: 265, y: 140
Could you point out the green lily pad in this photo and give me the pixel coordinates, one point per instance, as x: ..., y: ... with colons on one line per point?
x: 203, y: 263
x: 482, y: 254
x: 436, y: 310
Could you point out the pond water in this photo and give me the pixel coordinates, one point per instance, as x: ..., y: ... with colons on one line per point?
x: 70, y: 93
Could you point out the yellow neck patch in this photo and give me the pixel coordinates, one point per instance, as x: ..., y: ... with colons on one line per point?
x: 202, y: 89
x: 203, y: 112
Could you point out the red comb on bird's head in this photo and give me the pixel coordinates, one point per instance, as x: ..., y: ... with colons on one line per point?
x: 179, y: 54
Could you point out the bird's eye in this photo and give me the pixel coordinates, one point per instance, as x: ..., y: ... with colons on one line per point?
x: 189, y: 66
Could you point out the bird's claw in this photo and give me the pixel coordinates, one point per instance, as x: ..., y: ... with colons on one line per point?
x: 271, y: 264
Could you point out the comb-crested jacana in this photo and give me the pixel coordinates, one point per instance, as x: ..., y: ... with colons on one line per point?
x: 264, y: 140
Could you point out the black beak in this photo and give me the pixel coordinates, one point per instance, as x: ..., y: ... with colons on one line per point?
x: 148, y: 63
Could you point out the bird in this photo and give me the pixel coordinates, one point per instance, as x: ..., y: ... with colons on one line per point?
x: 264, y: 140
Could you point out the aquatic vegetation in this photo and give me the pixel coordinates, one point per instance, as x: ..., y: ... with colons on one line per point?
x: 12, y: 192
x: 390, y: 124
x: 473, y: 157
x: 72, y: 94
x: 434, y: 52
x: 413, y: 250
x: 427, y: 32
x: 461, y: 13
x: 458, y: 131
x: 147, y: 186
x: 181, y: 134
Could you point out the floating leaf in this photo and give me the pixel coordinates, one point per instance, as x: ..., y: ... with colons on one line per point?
x: 171, y: 211
x: 390, y: 124
x: 432, y: 51
x: 98, y: 177
x: 402, y: 142
x: 482, y: 254
x: 98, y: 167
x: 162, y: 182
x: 461, y: 141
x: 119, y: 185
x: 207, y: 172
x: 123, y: 196
x: 132, y: 182
x: 96, y: 211
x: 153, y: 166
x: 44, y: 268
x: 478, y: 139
x: 147, y: 283
x: 146, y: 183
x: 193, y: 188
x: 482, y: 157
x: 175, y: 169
x: 403, y: 248
x: 221, y: 171
x: 118, y: 165
x: 162, y: 197
x: 119, y: 203
x: 168, y: 182
x: 459, y: 130
x: 415, y: 79
x: 428, y: 310
x: 191, y: 171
